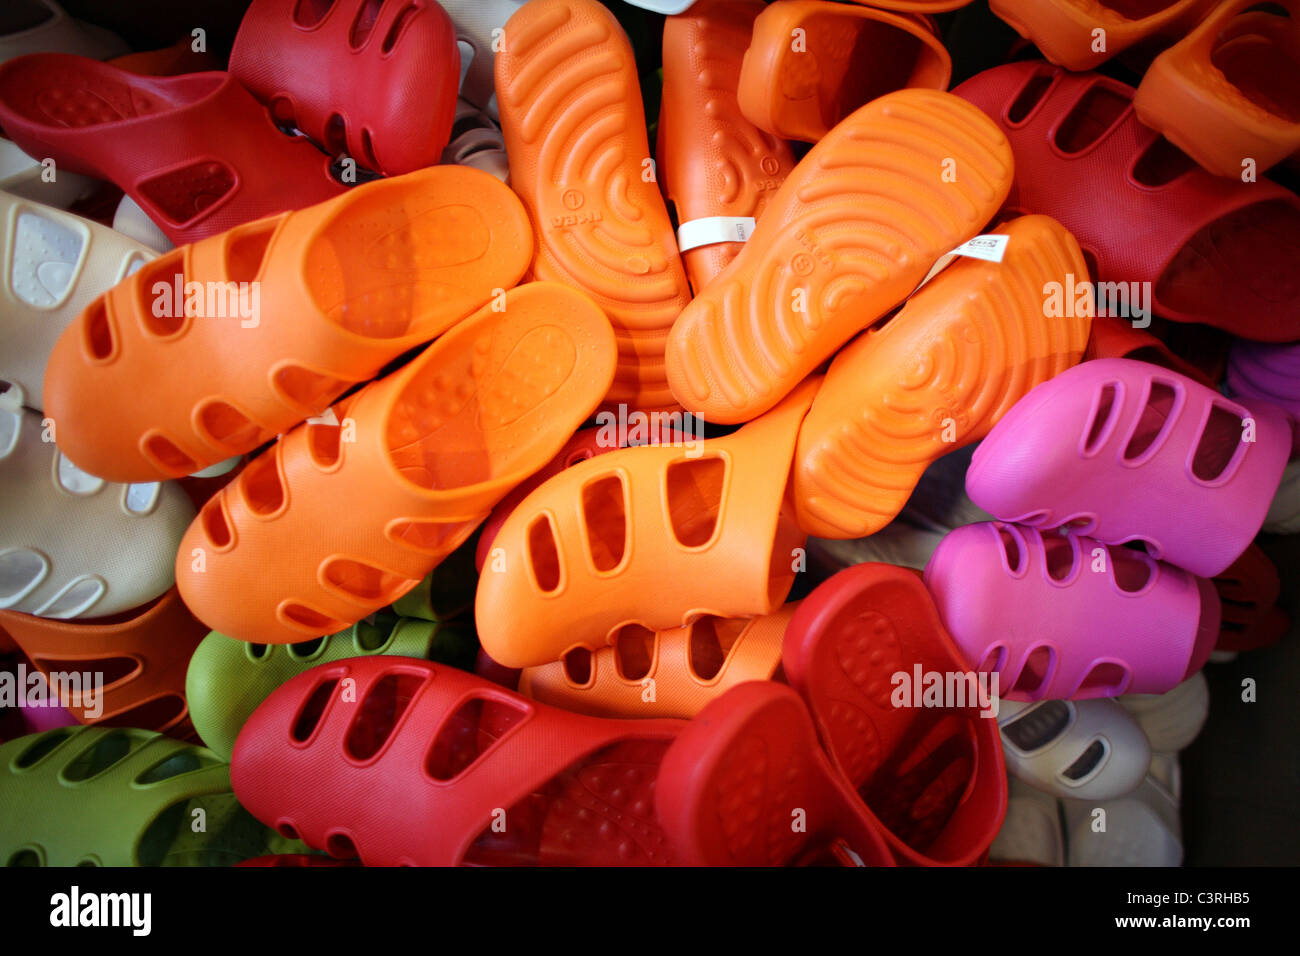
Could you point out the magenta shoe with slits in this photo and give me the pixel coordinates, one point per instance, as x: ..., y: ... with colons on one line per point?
x: 1126, y: 451
x: 1065, y: 617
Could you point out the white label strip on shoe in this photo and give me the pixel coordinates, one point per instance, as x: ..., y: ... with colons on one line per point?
x: 707, y: 231
x: 990, y: 248
x: 326, y: 417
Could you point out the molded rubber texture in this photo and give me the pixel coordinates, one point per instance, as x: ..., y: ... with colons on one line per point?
x: 938, y: 375
x: 325, y: 297
x: 811, y: 63
x: 375, y: 81
x: 55, y: 264
x: 672, y: 673
x: 712, y: 160
x: 1067, y: 31
x: 1126, y: 451
x: 587, y: 552
x: 94, y: 796
x: 1228, y: 94
x: 227, y: 679
x: 352, y: 513
x: 931, y: 775
x: 197, y: 152
x: 141, y: 655
x: 1066, y: 617
x: 850, y: 234
x: 1089, y: 749
x: 1216, y: 251
x: 574, y: 127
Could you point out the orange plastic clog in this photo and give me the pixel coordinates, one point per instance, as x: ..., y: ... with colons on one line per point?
x: 811, y: 63
x: 141, y: 655
x: 574, y: 128
x: 942, y: 372
x: 672, y: 673
x: 653, y: 535
x: 1083, y: 34
x: 159, y: 378
x: 338, y: 520
x: 848, y: 236
x: 1229, y: 92
x: 717, y: 167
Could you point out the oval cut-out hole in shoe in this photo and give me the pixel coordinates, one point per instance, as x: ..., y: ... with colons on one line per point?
x: 544, y: 554
x: 302, y: 650
x: 1105, y: 412
x: 75, y: 599
x: 364, y: 23
x: 400, y: 23
x: 215, y: 526
x: 75, y: 481
x: 634, y: 652
x: 1037, y: 672
x: 712, y: 639
x: 1062, y: 557
x: 1220, y: 441
x: 287, y: 830
x: 245, y: 251
x: 182, y: 762
x: 1088, y: 762
x: 340, y: 846
x: 227, y: 426
x: 336, y: 135
x: 604, y: 512
x: 306, y: 389
x: 261, y: 486
x: 309, y: 13
x: 141, y: 499
x: 308, y: 619
x: 257, y: 652
x: 42, y: 746
x: 1131, y: 569
x: 1107, y: 679
x: 20, y: 572
x: 313, y: 709
x: 24, y: 858
x: 324, y: 444
x: 1160, y: 164
x: 97, y: 331
x: 167, y: 457
x: 364, y: 582
x: 1029, y: 97
x: 994, y: 660
x: 1039, y: 726
x: 467, y: 735
x: 368, y: 149
x: 1095, y: 113
x: 577, y: 666
x: 81, y: 672
x: 182, y: 195
x: 1157, y: 418
x: 379, y: 713
x: 1013, y: 549
x: 694, y: 489
x: 108, y: 750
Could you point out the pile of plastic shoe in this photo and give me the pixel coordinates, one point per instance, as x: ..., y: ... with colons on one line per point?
x: 412, y: 452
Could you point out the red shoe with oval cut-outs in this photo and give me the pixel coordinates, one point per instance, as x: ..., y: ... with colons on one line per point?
x: 928, y: 768
x: 343, y: 516
x: 407, y: 762
x: 197, y: 152
x: 215, y: 348
x: 376, y: 80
